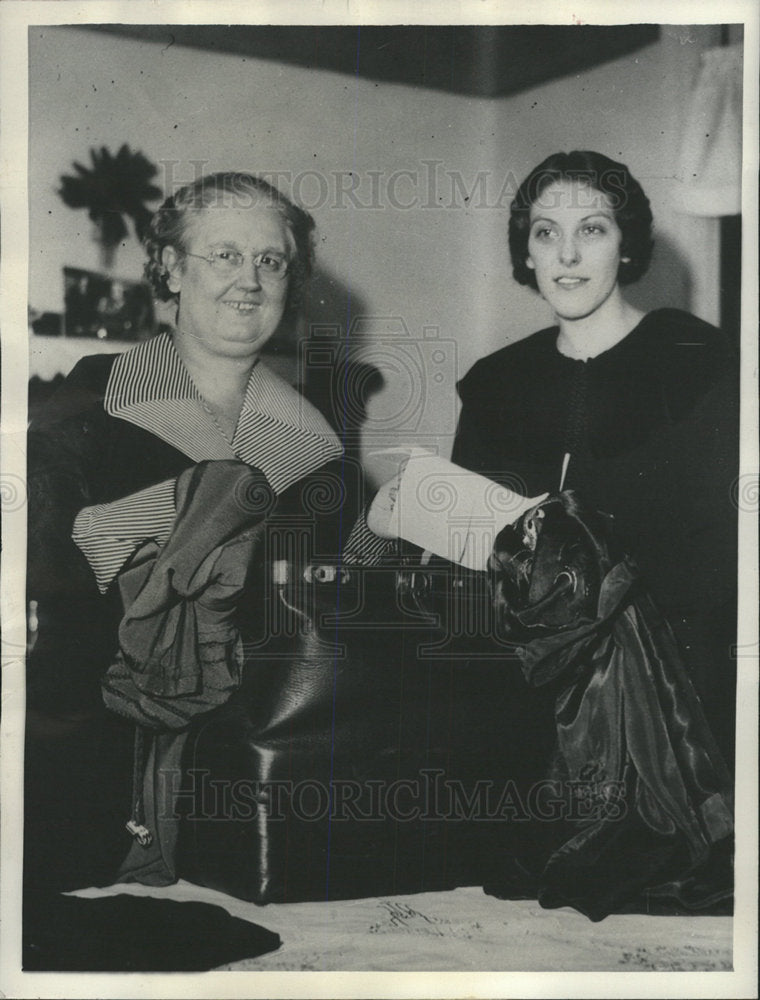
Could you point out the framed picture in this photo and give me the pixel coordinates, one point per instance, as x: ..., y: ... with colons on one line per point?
x: 98, y: 305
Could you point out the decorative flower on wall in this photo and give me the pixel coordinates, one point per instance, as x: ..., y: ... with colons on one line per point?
x: 115, y: 187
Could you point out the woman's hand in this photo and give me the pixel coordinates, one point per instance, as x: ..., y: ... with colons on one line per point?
x: 380, y: 513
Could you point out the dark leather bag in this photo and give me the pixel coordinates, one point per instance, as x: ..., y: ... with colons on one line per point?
x: 369, y: 746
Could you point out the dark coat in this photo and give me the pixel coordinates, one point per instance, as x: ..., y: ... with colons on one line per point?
x: 79, y: 756
x: 652, y: 428
x: 80, y: 455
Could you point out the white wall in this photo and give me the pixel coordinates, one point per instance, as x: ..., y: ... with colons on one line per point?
x: 441, y: 263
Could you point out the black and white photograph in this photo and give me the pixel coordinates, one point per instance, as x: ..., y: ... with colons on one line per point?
x: 443, y: 322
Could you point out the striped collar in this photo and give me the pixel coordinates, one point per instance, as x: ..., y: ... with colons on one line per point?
x: 279, y: 432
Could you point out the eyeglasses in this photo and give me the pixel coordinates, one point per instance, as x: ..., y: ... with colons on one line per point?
x: 268, y: 263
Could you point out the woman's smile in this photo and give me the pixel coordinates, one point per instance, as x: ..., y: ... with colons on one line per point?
x: 570, y: 282
x: 241, y: 306
x: 231, y: 312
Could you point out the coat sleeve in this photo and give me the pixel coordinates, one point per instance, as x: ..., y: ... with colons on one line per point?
x: 472, y: 447
x: 491, y: 437
x: 64, y: 448
x: 109, y: 533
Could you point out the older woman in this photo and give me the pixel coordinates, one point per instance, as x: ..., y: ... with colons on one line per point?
x: 111, y: 463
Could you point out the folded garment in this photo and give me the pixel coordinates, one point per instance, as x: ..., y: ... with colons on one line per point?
x: 180, y: 652
x: 649, y: 799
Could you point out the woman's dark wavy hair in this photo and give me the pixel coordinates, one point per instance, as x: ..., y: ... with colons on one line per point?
x: 168, y: 226
x: 615, y: 180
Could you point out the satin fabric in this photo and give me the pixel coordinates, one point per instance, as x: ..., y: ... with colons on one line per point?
x: 632, y: 739
x: 180, y: 650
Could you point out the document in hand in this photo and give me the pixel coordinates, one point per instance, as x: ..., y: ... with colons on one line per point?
x: 454, y: 513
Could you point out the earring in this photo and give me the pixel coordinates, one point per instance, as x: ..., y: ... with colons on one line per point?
x: 625, y: 260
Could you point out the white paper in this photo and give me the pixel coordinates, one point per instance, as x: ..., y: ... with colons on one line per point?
x: 452, y: 512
